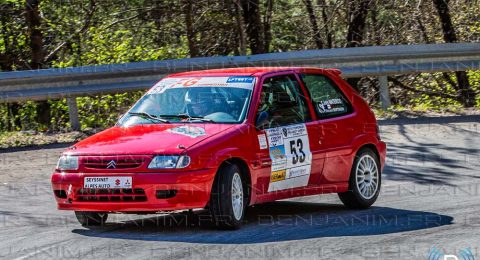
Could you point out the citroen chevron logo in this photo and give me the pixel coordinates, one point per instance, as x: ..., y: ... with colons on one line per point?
x: 112, y: 165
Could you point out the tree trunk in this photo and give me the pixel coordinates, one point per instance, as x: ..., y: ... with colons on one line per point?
x: 375, y: 28
x: 188, y: 12
x: 33, y: 21
x: 466, y: 94
x: 326, y: 23
x: 254, y: 26
x: 421, y: 27
x: 156, y: 14
x: 267, y: 24
x: 32, y: 17
x: 242, y: 38
x: 313, y: 22
x: 357, y: 19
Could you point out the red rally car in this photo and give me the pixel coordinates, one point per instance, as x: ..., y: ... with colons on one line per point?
x: 226, y: 139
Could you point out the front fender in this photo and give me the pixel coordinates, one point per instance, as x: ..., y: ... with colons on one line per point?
x: 222, y: 155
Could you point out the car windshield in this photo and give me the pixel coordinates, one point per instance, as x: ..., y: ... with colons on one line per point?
x: 187, y: 100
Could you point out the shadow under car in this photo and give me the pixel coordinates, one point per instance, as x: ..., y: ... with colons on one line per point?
x: 271, y: 222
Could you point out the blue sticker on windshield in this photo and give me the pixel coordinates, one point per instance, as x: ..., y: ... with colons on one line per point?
x: 240, y: 79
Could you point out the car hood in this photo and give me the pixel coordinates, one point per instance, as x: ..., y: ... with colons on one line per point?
x: 147, y: 139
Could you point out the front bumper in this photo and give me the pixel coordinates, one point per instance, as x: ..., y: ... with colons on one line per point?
x: 192, y: 190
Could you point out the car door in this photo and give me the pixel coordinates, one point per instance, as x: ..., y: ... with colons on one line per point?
x: 290, y: 154
x: 337, y: 125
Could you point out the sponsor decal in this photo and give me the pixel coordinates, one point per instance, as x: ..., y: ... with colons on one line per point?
x: 190, y: 131
x: 277, y: 152
x: 262, y: 141
x: 289, y: 150
x: 278, y: 176
x: 107, y: 182
x: 331, y: 105
x: 240, y: 79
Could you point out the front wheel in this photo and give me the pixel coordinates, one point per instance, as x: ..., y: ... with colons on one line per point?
x: 227, y: 202
x: 365, y: 181
x: 87, y: 218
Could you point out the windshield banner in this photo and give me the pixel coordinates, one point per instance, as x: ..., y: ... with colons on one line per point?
x: 244, y: 82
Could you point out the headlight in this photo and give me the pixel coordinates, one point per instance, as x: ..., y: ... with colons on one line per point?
x: 67, y: 162
x: 169, y: 162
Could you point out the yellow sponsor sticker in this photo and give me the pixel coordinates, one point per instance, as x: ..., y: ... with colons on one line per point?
x: 278, y: 176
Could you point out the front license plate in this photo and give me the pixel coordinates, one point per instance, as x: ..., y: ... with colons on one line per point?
x: 107, y: 182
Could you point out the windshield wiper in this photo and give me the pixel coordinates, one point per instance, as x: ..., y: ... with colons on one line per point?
x: 149, y: 116
x: 189, y: 117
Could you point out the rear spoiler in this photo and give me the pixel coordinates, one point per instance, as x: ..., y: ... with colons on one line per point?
x: 335, y: 71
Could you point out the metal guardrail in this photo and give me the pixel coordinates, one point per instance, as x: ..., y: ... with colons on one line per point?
x: 379, y: 61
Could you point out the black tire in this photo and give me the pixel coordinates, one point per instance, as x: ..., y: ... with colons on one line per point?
x: 87, y: 218
x: 354, y: 198
x: 221, y: 205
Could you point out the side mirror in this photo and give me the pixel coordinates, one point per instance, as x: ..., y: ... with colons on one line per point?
x: 262, y: 119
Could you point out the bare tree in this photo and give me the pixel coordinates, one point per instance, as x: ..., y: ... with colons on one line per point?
x: 242, y: 38
x: 326, y: 23
x: 267, y: 22
x: 313, y: 22
x: 188, y: 12
x: 357, y: 19
x: 32, y: 17
x: 35, y: 39
x: 254, y: 25
x: 466, y: 94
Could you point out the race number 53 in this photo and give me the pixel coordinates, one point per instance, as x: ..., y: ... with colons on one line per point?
x: 296, y: 150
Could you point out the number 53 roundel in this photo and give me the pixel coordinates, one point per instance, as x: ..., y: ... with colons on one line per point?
x: 291, y: 157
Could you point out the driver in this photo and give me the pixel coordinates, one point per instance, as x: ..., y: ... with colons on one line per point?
x: 198, y: 103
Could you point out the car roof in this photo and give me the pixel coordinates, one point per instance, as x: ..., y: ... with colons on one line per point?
x: 250, y: 71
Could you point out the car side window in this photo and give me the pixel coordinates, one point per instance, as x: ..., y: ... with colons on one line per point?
x: 283, y: 101
x: 327, y: 99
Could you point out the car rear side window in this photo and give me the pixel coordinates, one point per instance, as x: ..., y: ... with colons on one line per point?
x: 283, y: 101
x: 327, y: 98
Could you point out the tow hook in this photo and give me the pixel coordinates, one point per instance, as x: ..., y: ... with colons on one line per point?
x: 69, y: 194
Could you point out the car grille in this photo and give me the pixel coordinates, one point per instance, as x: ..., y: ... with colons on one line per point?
x: 111, y: 195
x: 113, y: 163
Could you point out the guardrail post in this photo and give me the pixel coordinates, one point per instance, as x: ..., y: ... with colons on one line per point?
x: 384, y: 95
x: 73, y: 113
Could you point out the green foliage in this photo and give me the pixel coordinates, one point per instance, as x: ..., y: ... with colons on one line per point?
x: 423, y: 101
x: 59, y: 113
x: 474, y: 77
x: 104, y: 111
x: 89, y: 32
x: 96, y: 112
x: 3, y: 117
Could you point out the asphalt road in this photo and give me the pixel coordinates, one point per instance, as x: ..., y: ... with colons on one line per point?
x: 430, y: 200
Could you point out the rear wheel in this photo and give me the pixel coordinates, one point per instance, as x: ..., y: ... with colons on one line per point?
x: 365, y: 181
x: 227, y: 202
x: 87, y: 218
